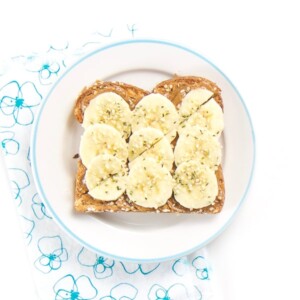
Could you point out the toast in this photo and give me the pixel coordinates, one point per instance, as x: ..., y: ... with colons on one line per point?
x: 174, y: 89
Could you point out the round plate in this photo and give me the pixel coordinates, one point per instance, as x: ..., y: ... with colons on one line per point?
x: 55, y: 140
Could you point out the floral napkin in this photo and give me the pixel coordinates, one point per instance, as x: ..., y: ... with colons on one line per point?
x: 62, y: 268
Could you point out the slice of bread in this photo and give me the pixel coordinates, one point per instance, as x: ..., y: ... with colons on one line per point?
x: 174, y: 89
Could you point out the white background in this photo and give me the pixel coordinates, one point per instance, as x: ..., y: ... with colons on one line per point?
x: 256, y: 43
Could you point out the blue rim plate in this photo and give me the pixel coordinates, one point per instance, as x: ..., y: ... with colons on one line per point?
x: 55, y: 140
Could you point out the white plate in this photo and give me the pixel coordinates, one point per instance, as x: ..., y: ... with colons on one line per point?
x: 55, y: 140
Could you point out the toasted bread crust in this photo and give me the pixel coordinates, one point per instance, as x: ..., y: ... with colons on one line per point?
x: 174, y: 89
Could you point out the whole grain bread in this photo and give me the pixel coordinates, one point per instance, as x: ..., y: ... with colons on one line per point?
x: 174, y: 89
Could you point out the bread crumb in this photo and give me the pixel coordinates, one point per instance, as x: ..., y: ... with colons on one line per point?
x: 90, y: 208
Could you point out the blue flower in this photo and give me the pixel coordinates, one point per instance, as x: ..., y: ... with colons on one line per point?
x: 8, y: 143
x: 29, y: 225
x: 16, y: 103
x: 177, y: 291
x: 39, y: 208
x: 180, y: 266
x: 199, y: 263
x: 52, y: 254
x: 19, y: 180
x: 47, y: 70
x: 122, y: 291
x: 102, y: 267
x: 145, y: 269
x: 69, y: 288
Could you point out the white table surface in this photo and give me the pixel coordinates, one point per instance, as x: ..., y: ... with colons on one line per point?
x: 256, y: 45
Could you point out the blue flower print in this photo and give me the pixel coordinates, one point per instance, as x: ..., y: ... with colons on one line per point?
x: 145, y: 269
x: 53, y: 254
x: 28, y: 156
x: 102, y: 267
x: 198, y: 293
x: 8, y: 143
x: 19, y: 180
x: 29, y: 226
x: 47, y: 70
x: 97, y: 38
x: 69, y: 288
x: 180, y: 266
x: 39, y: 208
x: 176, y: 291
x: 59, y: 46
x: 122, y: 291
x: 106, y: 34
x: 199, y: 263
x: 132, y: 29
x: 16, y: 103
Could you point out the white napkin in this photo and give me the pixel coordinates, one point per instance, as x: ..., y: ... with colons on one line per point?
x: 62, y: 268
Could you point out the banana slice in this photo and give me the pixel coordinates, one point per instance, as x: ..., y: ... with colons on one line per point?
x: 213, y: 114
x: 196, y: 185
x: 106, y: 177
x: 101, y: 139
x: 161, y: 152
x: 149, y: 184
x: 197, y: 143
x: 209, y: 115
x: 142, y: 140
x: 150, y: 142
x: 193, y: 120
x: 192, y: 102
x: 111, y: 109
x: 156, y: 111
